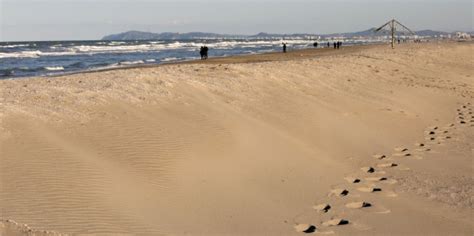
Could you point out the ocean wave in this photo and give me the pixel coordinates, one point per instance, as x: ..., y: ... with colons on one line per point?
x: 14, y: 46
x: 23, y: 54
x: 169, y: 59
x: 150, y: 60
x: 126, y: 63
x: 54, y: 68
x: 121, y: 47
x: 114, y: 43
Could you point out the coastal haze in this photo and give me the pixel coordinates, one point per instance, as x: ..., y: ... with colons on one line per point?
x: 111, y: 125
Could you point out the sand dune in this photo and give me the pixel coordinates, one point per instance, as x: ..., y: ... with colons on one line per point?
x: 367, y: 140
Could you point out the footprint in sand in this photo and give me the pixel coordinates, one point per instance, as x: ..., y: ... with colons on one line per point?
x: 379, y: 156
x: 336, y: 222
x: 339, y: 192
x: 376, y: 179
x: 420, y: 144
x: 423, y: 149
x: 387, y: 165
x: 450, y: 125
x: 352, y: 180
x: 403, y: 154
x: 401, y: 149
x: 305, y: 228
x: 324, y: 208
x: 431, y: 133
x: 358, y: 205
x: 381, y: 179
x: 368, y: 169
x: 369, y: 189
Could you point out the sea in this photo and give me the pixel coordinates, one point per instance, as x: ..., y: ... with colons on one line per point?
x: 46, y: 58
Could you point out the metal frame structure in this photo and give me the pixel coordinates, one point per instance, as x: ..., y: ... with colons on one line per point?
x: 393, y: 28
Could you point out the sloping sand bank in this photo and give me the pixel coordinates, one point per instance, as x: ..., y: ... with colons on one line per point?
x: 225, y: 148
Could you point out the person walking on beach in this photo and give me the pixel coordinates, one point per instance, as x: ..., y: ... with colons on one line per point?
x: 284, y: 47
x: 315, y: 44
x: 206, y: 52
x: 201, y: 51
x: 335, y: 45
x: 329, y: 45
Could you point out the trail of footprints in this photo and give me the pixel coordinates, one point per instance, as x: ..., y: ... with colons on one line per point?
x: 361, y: 190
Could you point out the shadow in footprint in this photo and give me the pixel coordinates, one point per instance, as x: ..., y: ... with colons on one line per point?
x: 336, y: 222
x: 379, y: 156
x: 322, y: 208
x: 368, y: 169
x: 305, y: 228
x: 369, y: 189
x: 358, y: 205
x: 352, y: 180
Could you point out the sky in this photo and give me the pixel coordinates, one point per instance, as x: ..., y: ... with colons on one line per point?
x: 28, y: 20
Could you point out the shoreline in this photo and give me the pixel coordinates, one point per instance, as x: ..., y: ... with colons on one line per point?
x: 244, y: 58
x: 307, y: 53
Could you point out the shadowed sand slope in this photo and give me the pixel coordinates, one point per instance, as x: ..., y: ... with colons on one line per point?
x: 246, y: 148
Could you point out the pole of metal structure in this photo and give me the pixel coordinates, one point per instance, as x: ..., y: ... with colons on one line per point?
x: 393, y: 34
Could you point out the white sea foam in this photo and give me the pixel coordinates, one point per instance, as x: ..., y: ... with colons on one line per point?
x: 54, y: 68
x: 150, y: 60
x: 114, y: 43
x: 23, y: 54
x: 169, y: 59
x: 14, y: 46
x: 126, y: 63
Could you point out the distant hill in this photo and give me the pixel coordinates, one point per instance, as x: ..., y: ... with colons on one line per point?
x: 139, y: 35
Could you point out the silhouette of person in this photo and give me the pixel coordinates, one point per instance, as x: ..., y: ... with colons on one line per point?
x: 201, y: 52
x: 335, y: 45
x: 284, y: 47
x: 315, y: 44
x: 206, y: 51
x: 329, y: 45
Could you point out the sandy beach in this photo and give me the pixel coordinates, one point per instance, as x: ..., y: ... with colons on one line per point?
x: 365, y: 140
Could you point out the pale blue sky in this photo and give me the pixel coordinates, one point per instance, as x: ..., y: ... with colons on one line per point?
x: 92, y: 19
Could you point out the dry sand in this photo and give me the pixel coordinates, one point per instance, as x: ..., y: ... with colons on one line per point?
x: 362, y: 141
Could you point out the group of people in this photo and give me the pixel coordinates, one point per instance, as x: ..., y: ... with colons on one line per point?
x: 336, y: 45
x: 204, y: 52
x: 204, y: 49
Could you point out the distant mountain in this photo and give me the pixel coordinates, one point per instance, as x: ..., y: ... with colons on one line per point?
x: 139, y: 35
